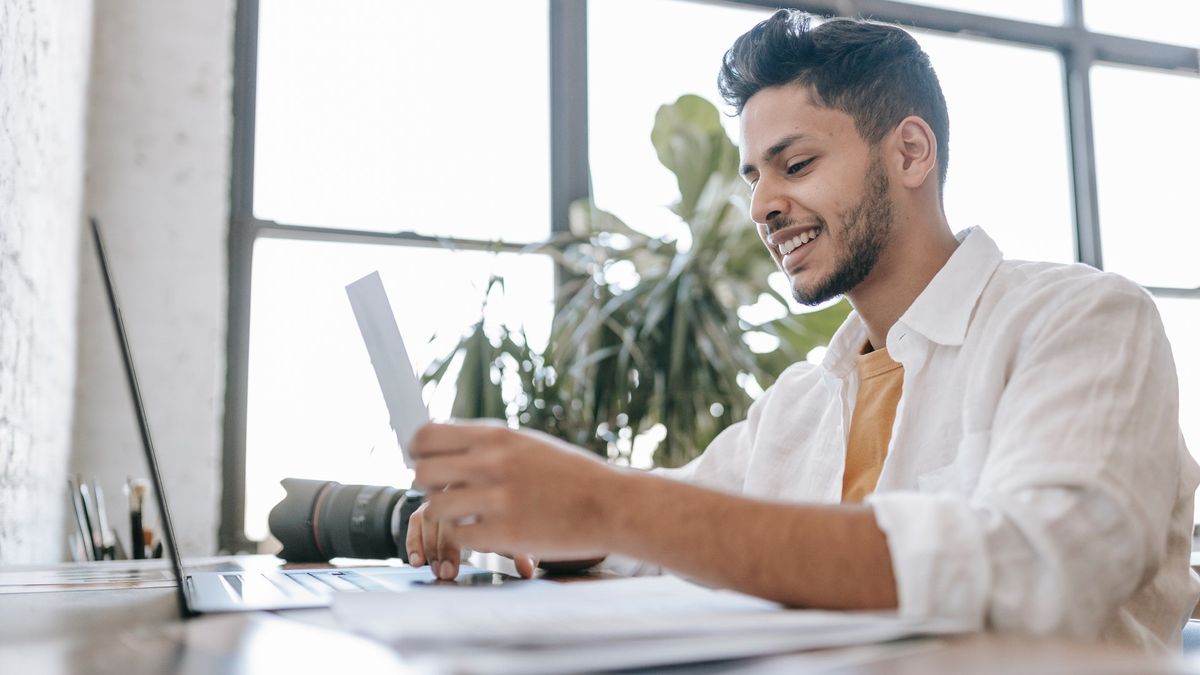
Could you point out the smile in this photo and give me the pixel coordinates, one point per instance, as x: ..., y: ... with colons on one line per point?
x: 798, y: 241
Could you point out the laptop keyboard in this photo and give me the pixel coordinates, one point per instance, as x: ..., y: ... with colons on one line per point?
x: 313, y: 588
x: 268, y: 586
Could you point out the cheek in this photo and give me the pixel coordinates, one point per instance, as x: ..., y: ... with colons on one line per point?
x: 815, y: 195
x: 762, y: 236
x: 830, y: 199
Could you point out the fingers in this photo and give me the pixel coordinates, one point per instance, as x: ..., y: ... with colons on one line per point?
x: 526, y: 565
x: 412, y: 542
x: 435, y: 439
x: 448, y: 554
x: 455, y: 505
x: 439, y: 471
x: 429, y: 538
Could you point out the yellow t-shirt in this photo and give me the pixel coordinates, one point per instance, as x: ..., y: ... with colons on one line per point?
x: 880, y: 381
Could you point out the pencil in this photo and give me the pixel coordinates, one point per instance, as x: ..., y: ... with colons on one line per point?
x: 89, y: 514
x: 106, y: 548
x: 137, y: 493
x: 80, y: 518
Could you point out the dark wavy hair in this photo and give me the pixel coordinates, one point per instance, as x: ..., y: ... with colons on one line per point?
x: 873, y: 72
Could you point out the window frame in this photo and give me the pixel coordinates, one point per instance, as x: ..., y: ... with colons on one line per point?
x: 1079, y: 48
x: 569, y: 181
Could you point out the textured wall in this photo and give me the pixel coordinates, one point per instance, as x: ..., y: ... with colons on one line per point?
x: 43, y: 89
x: 158, y: 179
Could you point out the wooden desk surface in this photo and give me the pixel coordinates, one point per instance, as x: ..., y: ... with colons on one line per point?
x: 137, y: 630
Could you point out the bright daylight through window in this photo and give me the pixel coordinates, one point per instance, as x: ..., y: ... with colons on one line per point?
x: 362, y: 133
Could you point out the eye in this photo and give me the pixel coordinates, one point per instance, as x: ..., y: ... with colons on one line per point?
x: 797, y: 167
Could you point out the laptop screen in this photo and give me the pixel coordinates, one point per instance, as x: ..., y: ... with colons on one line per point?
x: 143, y: 425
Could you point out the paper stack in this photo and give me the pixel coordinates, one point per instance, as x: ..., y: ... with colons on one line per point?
x: 640, y: 622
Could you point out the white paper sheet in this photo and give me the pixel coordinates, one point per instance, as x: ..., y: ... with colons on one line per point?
x: 600, y: 625
x: 401, y: 390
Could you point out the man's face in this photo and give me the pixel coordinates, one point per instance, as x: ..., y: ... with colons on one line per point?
x: 820, y: 193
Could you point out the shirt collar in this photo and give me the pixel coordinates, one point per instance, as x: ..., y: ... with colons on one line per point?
x: 841, y: 358
x: 941, y: 312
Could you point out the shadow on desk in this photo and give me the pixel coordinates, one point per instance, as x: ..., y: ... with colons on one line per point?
x: 229, y: 643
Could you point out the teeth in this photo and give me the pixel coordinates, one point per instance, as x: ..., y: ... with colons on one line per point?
x: 797, y: 241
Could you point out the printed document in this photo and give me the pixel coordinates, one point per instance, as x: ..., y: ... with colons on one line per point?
x: 401, y: 390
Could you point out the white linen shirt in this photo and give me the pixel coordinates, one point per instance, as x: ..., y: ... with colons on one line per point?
x: 1036, y: 479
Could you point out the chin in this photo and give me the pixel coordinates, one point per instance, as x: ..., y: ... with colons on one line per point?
x: 804, y: 293
x: 803, y: 283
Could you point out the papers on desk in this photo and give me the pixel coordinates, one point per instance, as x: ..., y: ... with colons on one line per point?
x: 601, y: 625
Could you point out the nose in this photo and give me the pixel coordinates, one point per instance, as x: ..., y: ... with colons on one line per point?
x: 768, y: 204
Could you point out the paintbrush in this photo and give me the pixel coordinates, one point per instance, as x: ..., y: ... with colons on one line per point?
x: 137, y: 495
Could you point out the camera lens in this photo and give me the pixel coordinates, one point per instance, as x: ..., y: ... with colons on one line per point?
x: 318, y: 520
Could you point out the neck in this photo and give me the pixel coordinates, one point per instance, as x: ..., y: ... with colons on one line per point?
x: 914, y: 256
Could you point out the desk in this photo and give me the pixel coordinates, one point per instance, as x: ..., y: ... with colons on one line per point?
x: 137, y: 630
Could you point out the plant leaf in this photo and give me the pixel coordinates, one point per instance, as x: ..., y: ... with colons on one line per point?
x: 691, y: 142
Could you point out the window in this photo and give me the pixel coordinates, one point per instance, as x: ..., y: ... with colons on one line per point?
x: 1020, y: 193
x: 1170, y: 21
x: 1038, y: 11
x: 410, y: 137
x: 1147, y: 141
x: 374, y: 118
x: 314, y: 405
x: 370, y: 116
x: 687, y: 40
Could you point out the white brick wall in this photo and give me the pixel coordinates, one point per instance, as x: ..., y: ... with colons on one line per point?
x: 43, y: 83
x: 158, y: 178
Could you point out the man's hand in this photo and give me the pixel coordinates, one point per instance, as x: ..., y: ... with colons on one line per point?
x: 491, y: 488
x: 425, y: 544
x: 494, y: 489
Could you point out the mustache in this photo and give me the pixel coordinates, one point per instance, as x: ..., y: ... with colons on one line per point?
x: 784, y: 222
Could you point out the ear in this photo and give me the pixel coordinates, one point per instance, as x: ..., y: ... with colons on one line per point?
x: 915, y: 151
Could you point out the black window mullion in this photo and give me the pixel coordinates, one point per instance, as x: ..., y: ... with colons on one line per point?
x: 1077, y: 66
x: 243, y: 229
x: 569, y: 171
x: 1083, y: 159
x: 273, y: 230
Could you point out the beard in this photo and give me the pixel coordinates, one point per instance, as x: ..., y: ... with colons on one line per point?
x: 866, y: 231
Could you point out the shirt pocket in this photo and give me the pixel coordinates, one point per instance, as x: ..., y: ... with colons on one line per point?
x: 961, y: 474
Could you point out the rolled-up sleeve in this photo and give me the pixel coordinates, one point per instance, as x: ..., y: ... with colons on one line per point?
x: 1070, y: 508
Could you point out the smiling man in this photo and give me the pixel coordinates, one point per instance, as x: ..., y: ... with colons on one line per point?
x: 989, y: 441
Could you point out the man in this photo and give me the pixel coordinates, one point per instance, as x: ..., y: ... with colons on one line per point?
x: 990, y: 441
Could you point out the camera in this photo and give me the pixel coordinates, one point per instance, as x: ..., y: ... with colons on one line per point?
x: 322, y: 519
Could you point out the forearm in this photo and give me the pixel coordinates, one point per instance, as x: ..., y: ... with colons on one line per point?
x: 801, y: 555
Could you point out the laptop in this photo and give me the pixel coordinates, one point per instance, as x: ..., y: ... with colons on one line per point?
x: 273, y: 588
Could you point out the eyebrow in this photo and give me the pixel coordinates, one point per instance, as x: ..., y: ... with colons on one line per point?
x: 773, y: 151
